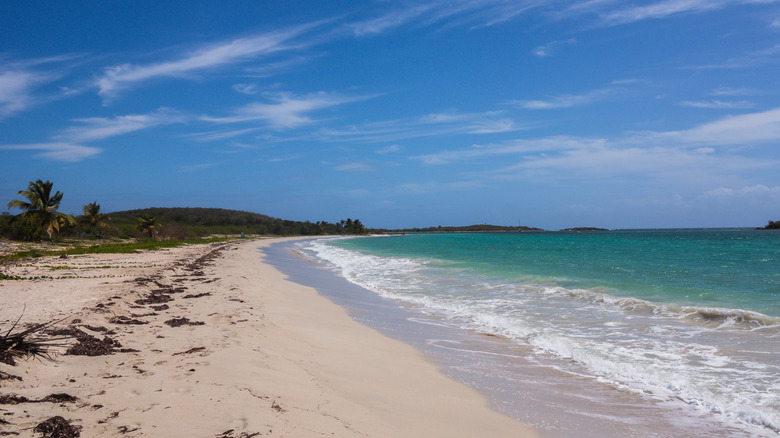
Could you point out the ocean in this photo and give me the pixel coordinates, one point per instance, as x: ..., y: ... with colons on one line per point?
x: 593, y: 333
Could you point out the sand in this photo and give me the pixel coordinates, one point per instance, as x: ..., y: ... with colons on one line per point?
x: 209, y: 341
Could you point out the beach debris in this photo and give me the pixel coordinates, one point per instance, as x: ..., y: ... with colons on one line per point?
x: 190, y: 351
x: 204, y: 294
x: 88, y: 345
x: 126, y: 320
x: 26, y: 343
x: 124, y: 429
x: 231, y: 433
x: 178, y: 322
x: 13, y: 399
x: 98, y: 329
x: 59, y: 398
x: 6, y: 376
x: 111, y: 416
x: 57, y: 427
x: 154, y: 298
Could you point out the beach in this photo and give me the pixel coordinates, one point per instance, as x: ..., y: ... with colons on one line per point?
x: 208, y: 340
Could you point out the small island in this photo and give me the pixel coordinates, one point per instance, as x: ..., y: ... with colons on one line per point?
x: 772, y: 225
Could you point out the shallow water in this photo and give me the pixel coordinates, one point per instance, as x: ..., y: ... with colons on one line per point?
x: 575, y: 355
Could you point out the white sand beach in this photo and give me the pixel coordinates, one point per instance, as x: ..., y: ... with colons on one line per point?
x: 216, y: 343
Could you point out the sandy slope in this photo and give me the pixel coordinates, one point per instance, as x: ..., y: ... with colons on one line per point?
x: 257, y: 355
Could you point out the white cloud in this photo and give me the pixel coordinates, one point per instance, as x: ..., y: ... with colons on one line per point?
x: 98, y: 128
x: 661, y: 10
x: 734, y: 130
x: 58, y: 151
x: 246, y: 88
x: 756, y: 191
x: 221, y: 135
x: 514, y: 147
x: 15, y: 90
x: 120, y: 77
x: 718, y: 104
x: 546, y: 50
x: 355, y: 167
x: 288, y: 110
x: 447, y: 13
x: 567, y: 100
x: 196, y: 167
x: 733, y: 91
x: 434, y: 124
x: 393, y: 148
x: 388, y: 21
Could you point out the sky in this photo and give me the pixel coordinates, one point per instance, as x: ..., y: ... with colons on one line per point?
x: 544, y: 113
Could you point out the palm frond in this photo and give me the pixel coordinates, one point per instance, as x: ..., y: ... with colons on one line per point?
x: 27, y: 343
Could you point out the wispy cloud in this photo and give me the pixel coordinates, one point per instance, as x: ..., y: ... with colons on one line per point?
x: 287, y: 110
x: 661, y: 164
x: 15, y: 90
x: 117, y: 78
x: 661, y: 157
x: 513, y: 147
x: 664, y: 9
x: 489, y: 122
x: 388, y: 21
x: 57, y: 151
x: 566, y: 100
x: 221, y: 134
x: 246, y: 88
x: 733, y: 91
x: 98, y: 128
x: 718, y: 104
x: 447, y: 14
x: 428, y: 125
x: 735, y: 130
x: 756, y: 191
x: 548, y: 49
x: 393, y: 148
x: 355, y: 166
x: 196, y: 167
x: 21, y: 80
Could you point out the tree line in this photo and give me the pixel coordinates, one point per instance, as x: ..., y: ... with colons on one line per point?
x: 40, y: 218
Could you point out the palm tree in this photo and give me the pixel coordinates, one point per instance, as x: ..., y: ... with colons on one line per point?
x: 148, y: 224
x: 42, y: 204
x: 93, y: 217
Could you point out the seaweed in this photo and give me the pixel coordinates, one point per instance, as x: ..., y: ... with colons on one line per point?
x: 178, y: 322
x: 57, y: 427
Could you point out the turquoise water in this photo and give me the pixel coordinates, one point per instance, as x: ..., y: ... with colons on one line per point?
x: 680, y: 316
x: 734, y: 269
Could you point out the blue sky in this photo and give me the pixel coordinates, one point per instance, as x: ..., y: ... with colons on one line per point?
x: 547, y: 113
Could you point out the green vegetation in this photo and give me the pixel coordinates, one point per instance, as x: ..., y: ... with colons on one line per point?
x: 40, y: 214
x: 773, y: 225
x: 121, y: 247
x: 148, y: 225
x: 41, y: 207
x: 181, y: 223
x: 94, y: 219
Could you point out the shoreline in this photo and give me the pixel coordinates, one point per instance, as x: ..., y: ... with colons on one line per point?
x: 256, y: 355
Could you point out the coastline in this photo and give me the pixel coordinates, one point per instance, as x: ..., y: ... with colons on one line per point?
x: 257, y: 355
